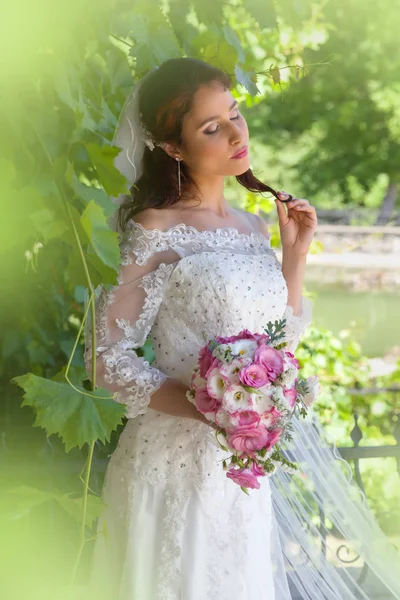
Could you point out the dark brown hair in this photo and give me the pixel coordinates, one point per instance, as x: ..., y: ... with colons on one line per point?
x: 165, y: 98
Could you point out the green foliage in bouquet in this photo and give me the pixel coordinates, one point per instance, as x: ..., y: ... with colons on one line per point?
x: 276, y: 332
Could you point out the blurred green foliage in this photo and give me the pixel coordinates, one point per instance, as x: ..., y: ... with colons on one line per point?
x: 335, y: 133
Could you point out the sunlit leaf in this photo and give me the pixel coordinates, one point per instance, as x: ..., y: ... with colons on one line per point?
x: 264, y: 12
x: 103, y: 239
x: 77, y: 418
x: 103, y: 159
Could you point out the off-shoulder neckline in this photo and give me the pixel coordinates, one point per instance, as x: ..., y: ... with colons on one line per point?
x: 191, y: 229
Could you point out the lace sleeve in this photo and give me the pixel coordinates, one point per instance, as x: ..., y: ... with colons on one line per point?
x: 124, y: 317
x: 297, y: 324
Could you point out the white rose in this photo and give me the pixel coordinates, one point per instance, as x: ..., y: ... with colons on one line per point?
x: 216, y: 384
x: 222, y: 419
x: 262, y: 401
x: 231, y: 370
x: 197, y: 381
x: 279, y: 397
x: 210, y: 416
x: 244, y: 348
x: 236, y: 399
x: 286, y: 379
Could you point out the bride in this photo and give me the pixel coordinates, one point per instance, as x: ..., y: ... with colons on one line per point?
x: 175, y: 527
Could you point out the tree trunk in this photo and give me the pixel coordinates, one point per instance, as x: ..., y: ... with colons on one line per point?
x: 388, y: 204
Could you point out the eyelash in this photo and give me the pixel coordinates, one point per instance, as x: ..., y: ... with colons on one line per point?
x: 215, y: 131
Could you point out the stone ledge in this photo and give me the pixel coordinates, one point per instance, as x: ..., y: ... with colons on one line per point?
x: 352, y: 260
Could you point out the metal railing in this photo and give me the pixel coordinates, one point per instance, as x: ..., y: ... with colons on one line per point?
x: 355, y: 454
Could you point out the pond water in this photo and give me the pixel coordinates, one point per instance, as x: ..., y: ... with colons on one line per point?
x: 373, y: 316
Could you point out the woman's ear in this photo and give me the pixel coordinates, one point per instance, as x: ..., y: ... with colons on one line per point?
x: 171, y: 150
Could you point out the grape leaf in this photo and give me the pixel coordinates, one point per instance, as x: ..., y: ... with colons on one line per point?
x: 102, y: 238
x: 263, y: 12
x: 76, y: 417
x: 17, y: 503
x: 102, y: 158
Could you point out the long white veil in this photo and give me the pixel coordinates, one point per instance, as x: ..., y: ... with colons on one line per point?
x: 326, y: 487
x: 326, y: 493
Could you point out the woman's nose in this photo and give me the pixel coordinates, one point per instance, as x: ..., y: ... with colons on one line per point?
x: 236, y: 135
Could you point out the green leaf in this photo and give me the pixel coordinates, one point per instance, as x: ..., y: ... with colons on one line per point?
x: 155, y: 41
x: 45, y: 222
x: 102, y: 238
x: 18, y: 502
x: 214, y: 49
x: 275, y: 73
x: 247, y: 79
x: 76, y: 417
x: 249, y: 388
x: 88, y: 193
x: 264, y: 12
x: 73, y: 506
x: 233, y: 40
x: 98, y: 271
x: 102, y: 158
x: 209, y: 11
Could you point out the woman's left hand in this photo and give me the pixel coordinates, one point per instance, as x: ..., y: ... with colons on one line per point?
x: 297, y: 225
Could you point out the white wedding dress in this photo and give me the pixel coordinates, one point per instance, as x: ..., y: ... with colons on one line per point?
x: 177, y: 527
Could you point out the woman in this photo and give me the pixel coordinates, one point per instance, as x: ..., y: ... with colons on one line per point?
x: 193, y: 268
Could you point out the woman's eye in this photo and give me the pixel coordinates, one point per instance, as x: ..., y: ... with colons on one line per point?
x: 215, y: 130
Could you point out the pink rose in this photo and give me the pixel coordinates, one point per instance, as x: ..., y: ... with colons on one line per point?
x: 292, y: 360
x: 261, y: 338
x: 243, y: 477
x: 273, y: 438
x: 258, y: 470
x: 290, y: 395
x: 271, y: 360
x: 205, y: 360
x: 227, y: 340
x: 247, y: 438
x: 254, y: 375
x: 204, y: 402
x: 213, y: 365
x: 245, y: 334
x: 247, y: 417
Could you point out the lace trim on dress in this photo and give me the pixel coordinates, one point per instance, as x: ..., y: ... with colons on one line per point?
x: 145, y: 242
x: 153, y: 285
x: 169, y: 573
x: 122, y: 365
x: 297, y: 324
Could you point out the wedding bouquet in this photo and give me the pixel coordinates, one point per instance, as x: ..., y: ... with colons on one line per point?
x: 248, y: 386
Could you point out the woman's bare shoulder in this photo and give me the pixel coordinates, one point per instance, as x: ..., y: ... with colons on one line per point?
x: 256, y: 222
x: 155, y: 218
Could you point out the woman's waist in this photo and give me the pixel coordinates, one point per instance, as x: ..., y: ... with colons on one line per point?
x: 159, y: 447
